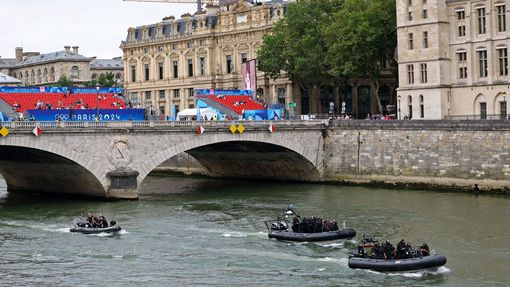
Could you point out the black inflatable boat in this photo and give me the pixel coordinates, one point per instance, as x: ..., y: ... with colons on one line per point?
x: 431, y: 262
x: 312, y: 237
x: 89, y: 230
x: 310, y: 229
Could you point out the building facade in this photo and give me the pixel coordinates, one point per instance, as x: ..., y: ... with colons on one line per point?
x: 166, y: 61
x: 36, y: 69
x: 453, y: 58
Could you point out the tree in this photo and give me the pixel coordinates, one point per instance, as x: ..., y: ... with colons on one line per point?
x: 297, y: 46
x: 64, y: 81
x: 362, y: 35
x: 104, y: 80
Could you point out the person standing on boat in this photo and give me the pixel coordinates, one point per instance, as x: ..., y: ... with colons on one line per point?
x: 401, y: 249
x: 389, y: 250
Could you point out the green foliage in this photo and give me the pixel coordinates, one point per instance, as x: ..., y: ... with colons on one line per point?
x: 363, y: 34
x: 64, y: 81
x: 104, y: 80
x: 297, y: 44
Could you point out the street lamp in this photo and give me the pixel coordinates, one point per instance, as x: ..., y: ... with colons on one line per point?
x: 97, y: 103
x: 398, y: 107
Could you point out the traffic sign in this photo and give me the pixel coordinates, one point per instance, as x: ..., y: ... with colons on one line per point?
x: 291, y: 105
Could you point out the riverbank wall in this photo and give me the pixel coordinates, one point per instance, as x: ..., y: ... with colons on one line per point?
x: 423, y: 154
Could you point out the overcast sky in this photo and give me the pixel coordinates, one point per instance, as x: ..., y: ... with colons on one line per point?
x: 96, y: 26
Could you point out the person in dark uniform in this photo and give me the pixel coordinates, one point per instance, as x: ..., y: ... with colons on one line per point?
x: 377, y: 251
x: 424, y: 249
x: 389, y: 250
x: 401, y: 249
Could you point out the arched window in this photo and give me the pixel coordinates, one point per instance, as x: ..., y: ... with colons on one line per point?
x: 45, y: 75
x: 52, y: 74
x: 39, y: 76
x: 75, y: 73
x: 94, y: 76
x: 32, y: 77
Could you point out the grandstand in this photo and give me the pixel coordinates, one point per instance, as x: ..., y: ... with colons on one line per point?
x: 22, y: 102
x: 238, y: 104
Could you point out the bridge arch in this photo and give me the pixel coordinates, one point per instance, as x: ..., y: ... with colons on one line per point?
x: 30, y: 166
x: 303, y: 161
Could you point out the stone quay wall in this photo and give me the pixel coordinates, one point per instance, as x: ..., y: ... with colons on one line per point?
x: 420, y: 154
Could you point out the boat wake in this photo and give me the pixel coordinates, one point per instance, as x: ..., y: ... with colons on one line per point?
x: 414, y: 274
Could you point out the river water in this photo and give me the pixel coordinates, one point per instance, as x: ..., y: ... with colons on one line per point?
x: 210, y: 232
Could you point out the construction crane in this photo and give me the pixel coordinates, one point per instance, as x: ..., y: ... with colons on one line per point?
x: 199, y: 2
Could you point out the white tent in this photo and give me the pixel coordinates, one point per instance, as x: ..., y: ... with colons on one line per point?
x: 187, y: 114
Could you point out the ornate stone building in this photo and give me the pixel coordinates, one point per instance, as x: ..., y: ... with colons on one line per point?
x: 164, y: 62
x: 453, y: 58
x: 36, y: 69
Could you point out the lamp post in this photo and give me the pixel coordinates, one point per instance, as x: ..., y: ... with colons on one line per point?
x: 398, y: 107
x: 97, y: 103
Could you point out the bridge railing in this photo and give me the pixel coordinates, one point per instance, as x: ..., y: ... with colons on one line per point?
x: 154, y: 124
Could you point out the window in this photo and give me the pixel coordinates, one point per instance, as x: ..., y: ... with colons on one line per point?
x: 160, y: 49
x: 75, y: 73
x: 148, y: 95
x: 161, y: 110
x: 422, y: 107
x: 133, y: 74
x: 410, y: 106
x: 424, y: 14
x: 410, y: 16
x: 410, y: 74
x: 423, y: 72
x: 281, y: 96
x: 502, y: 109
x: 425, y: 39
x: 190, y: 44
x: 190, y: 68
x: 482, y: 63
x: 410, y: 41
x: 462, y: 62
x: 202, y: 42
x: 177, y: 93
x: 160, y: 71
x: 483, y: 110
x: 229, y: 64
x: 503, y: 61
x: 174, y: 47
x: 145, y: 50
x: 480, y: 15
x: 462, y: 30
x: 190, y: 93
x: 176, y: 69
x: 501, y: 17
x: 161, y: 94
x: 461, y: 14
x: 244, y: 57
x: 202, y: 66
x: 147, y: 73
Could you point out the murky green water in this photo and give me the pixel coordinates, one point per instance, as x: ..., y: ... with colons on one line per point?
x: 200, y: 232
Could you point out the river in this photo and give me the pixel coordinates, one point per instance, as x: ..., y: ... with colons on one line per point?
x: 210, y: 232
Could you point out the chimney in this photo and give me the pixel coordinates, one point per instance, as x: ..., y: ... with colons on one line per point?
x: 75, y: 50
x: 19, y: 54
x: 67, y: 49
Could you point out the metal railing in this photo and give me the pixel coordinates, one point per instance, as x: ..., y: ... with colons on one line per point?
x: 477, y: 117
x: 155, y: 124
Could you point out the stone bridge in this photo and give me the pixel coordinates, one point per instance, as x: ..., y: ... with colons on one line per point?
x: 111, y: 159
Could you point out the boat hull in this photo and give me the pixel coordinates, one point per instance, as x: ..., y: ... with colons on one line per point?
x: 312, y: 237
x: 87, y: 230
x: 398, y: 265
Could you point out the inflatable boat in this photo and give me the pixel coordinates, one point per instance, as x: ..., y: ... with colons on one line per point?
x: 430, y: 263
x: 90, y: 230
x: 310, y: 229
x: 312, y: 237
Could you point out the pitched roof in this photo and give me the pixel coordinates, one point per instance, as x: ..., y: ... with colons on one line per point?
x: 4, y: 79
x: 99, y: 64
x: 51, y: 57
x: 7, y: 63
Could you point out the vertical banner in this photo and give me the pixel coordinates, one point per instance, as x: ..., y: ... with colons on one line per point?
x: 249, y: 71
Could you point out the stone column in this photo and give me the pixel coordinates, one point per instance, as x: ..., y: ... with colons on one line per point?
x: 123, y: 183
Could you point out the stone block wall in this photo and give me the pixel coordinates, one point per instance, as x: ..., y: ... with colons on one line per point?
x: 452, y: 154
